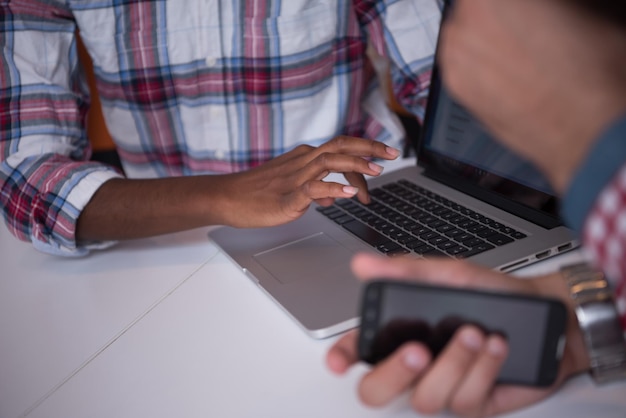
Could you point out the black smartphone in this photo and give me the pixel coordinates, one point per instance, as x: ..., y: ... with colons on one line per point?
x: 394, y: 312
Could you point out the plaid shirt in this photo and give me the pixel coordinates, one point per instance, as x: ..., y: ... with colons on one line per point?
x: 605, y: 236
x: 190, y: 87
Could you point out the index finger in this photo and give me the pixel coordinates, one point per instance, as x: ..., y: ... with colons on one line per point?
x: 359, y: 147
x: 435, y: 271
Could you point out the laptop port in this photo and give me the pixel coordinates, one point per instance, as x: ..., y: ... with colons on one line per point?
x: 543, y: 254
x: 514, y: 265
x: 564, y: 247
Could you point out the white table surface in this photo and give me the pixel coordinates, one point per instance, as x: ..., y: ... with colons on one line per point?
x: 168, y: 327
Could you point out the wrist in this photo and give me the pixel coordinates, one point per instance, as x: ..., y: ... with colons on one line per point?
x: 218, y: 200
x: 598, y: 321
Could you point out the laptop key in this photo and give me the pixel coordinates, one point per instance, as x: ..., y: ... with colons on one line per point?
x: 367, y: 217
x: 437, y: 241
x: 487, y: 232
x: 331, y: 212
x: 427, y: 236
x: 399, y: 251
x: 446, y: 227
x: 455, y: 232
x: 476, y: 250
x: 423, y: 249
x: 474, y: 242
x: 344, y: 202
x: 434, y: 253
x: 506, y: 230
x: 467, y: 224
x: 389, y: 247
x: 367, y: 234
x: 382, y: 225
x: 446, y: 245
x: 463, y: 237
x: 436, y: 224
x: 457, y: 250
x: 477, y: 228
x: 499, y: 239
x: 417, y: 245
x: 343, y: 219
x: 406, y: 239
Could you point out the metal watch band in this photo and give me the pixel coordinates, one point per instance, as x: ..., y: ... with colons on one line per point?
x: 599, y: 321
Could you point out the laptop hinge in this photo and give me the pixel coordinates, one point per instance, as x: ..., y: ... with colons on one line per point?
x: 525, y: 212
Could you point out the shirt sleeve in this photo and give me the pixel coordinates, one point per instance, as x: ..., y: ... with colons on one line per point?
x: 405, y: 32
x: 595, y: 205
x: 46, y: 179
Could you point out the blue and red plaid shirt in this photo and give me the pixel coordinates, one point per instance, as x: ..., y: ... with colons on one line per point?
x: 190, y: 87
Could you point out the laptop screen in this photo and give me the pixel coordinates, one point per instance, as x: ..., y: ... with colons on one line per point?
x: 455, y: 149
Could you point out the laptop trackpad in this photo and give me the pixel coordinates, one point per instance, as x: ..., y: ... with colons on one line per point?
x: 306, y: 258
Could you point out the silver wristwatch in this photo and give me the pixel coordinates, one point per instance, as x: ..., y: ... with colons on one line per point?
x: 599, y: 321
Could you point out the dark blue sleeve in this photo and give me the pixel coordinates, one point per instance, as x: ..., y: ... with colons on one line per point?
x: 605, y: 158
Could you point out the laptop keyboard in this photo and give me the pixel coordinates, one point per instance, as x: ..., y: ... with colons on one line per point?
x: 405, y: 218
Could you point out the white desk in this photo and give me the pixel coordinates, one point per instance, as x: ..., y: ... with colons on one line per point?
x: 168, y: 327
x: 58, y: 314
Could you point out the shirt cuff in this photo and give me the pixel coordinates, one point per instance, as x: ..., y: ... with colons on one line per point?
x: 606, y: 157
x: 82, y: 192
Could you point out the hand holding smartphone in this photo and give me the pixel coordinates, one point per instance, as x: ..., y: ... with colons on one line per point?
x: 394, y: 312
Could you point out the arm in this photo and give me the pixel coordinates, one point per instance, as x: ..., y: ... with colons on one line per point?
x: 66, y: 205
x: 548, y: 93
x: 557, y: 96
x: 45, y: 178
x: 274, y: 193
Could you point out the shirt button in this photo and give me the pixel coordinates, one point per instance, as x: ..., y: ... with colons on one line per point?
x: 210, y: 61
x: 219, y: 154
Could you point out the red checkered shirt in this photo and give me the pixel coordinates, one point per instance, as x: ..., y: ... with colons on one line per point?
x: 605, y: 236
x: 190, y: 87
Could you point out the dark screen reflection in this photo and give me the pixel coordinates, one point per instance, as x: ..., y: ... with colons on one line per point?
x: 399, y: 331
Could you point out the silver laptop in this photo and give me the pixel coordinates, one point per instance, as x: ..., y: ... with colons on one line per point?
x: 467, y: 197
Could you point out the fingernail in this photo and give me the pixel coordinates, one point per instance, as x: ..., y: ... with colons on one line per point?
x: 414, y: 361
x: 471, y: 339
x: 496, y: 347
x: 350, y: 190
x: 375, y: 167
x: 393, y: 152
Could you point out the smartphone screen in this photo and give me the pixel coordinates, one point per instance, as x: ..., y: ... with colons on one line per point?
x: 396, y: 312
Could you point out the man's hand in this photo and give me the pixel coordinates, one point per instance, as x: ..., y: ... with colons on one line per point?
x: 462, y: 378
x: 282, y: 189
x: 544, y: 76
